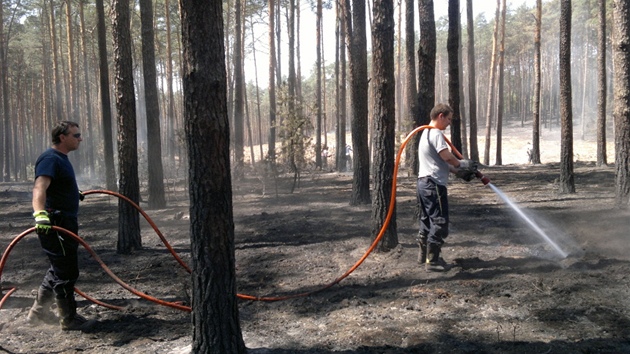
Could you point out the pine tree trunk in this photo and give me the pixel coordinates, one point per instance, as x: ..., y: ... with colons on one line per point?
x: 258, y: 113
x: 154, y: 141
x: 56, y: 76
x: 298, y: 66
x: 271, y: 151
x: 239, y: 83
x: 6, y: 114
x: 215, y: 318
x: 453, y: 71
x: 340, y: 148
x: 472, y: 81
x: 601, y: 86
x: 426, y: 65
x: 128, y: 185
x: 462, y: 100
x: 567, y: 181
x: 411, y: 87
x: 384, y: 112
x: 106, y: 111
x: 357, y: 48
x: 535, y: 150
x: 621, y: 111
x: 171, y: 116
x: 501, y: 105
x: 89, y: 119
x: 490, y: 106
x: 318, y: 86
x: 72, y: 72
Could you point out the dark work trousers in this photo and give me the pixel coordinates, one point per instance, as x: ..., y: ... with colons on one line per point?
x: 433, y: 202
x: 61, y: 250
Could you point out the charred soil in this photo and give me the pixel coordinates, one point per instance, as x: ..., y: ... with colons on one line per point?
x: 507, y: 292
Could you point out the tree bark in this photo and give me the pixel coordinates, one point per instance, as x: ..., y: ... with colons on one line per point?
x: 171, y: 116
x: 601, y: 86
x: 357, y: 48
x: 4, y: 89
x: 318, y: 87
x: 462, y: 100
x: 298, y: 66
x: 128, y: 185
x: 72, y: 72
x: 472, y: 81
x: 258, y: 113
x: 89, y: 119
x: 535, y: 150
x: 106, y: 110
x: 500, y: 105
x: 271, y: 151
x: 567, y: 181
x: 621, y: 110
x: 340, y: 148
x: 426, y: 64
x: 56, y: 77
x: 152, y: 106
x: 492, y: 70
x: 384, y: 112
x: 278, y: 32
x: 215, y: 318
x: 410, y: 83
x: 453, y: 71
x: 239, y: 84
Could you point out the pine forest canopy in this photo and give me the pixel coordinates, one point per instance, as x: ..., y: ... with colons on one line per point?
x: 42, y: 78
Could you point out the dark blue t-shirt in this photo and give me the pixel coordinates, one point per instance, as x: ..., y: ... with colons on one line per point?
x: 63, y: 192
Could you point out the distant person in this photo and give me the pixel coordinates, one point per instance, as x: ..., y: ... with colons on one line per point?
x: 530, y: 152
x: 325, y: 157
x: 56, y: 203
x: 349, y: 156
x: 436, y: 161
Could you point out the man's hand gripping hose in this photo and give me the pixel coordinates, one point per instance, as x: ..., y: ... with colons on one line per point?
x: 42, y: 222
x: 4, y: 258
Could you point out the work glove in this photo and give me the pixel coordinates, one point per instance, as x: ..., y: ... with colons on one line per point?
x: 467, y: 170
x: 81, y: 196
x: 465, y: 174
x: 468, y: 164
x: 42, y: 222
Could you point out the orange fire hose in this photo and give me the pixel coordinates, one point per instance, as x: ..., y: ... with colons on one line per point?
x: 149, y: 220
x: 185, y: 266
x: 99, y: 260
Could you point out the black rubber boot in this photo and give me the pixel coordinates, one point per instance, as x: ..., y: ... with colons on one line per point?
x: 435, y: 263
x: 422, y: 253
x: 69, y: 319
x: 41, y: 311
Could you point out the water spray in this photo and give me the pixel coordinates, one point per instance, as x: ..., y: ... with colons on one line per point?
x: 529, y: 221
x: 486, y: 182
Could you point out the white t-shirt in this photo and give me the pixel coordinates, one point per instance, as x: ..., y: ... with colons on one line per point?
x: 431, y: 164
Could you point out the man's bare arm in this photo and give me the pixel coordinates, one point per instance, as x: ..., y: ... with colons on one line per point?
x: 39, y: 192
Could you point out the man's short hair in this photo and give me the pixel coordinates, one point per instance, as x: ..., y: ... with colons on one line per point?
x: 440, y: 108
x: 61, y: 128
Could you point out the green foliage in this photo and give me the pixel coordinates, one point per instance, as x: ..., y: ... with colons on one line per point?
x: 294, y: 131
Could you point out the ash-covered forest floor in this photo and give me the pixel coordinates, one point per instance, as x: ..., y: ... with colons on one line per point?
x: 508, y: 290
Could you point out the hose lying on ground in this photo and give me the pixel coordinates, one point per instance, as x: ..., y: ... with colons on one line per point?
x: 179, y: 306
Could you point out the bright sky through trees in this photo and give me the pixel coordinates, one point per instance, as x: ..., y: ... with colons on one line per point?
x: 307, y: 36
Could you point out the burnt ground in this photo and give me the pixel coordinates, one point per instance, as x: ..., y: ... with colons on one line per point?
x: 508, y: 292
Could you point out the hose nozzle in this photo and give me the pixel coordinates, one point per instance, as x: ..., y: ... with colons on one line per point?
x: 485, y: 180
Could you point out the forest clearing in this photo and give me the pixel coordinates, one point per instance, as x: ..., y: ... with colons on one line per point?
x: 159, y: 99
x: 508, y: 291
